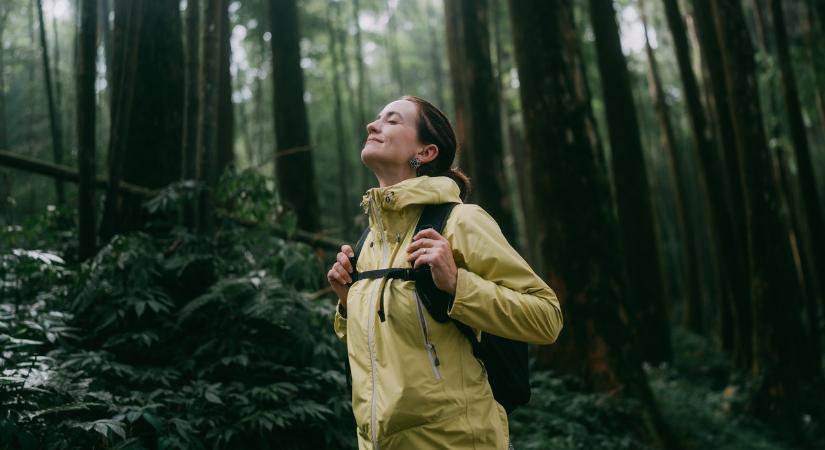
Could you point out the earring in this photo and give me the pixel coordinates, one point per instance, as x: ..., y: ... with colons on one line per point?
x: 415, y: 163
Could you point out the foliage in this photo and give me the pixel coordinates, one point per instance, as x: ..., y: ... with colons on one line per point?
x: 172, y: 340
x: 560, y: 417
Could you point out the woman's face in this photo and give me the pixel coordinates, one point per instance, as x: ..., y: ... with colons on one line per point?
x: 392, y: 138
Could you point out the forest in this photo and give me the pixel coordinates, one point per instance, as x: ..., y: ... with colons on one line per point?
x: 177, y: 176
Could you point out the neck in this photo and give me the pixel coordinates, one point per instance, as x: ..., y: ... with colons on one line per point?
x: 389, y: 178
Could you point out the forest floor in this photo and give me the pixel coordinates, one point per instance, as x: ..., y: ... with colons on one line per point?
x: 699, y: 399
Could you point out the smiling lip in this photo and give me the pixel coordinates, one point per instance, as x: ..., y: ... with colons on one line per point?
x: 374, y: 139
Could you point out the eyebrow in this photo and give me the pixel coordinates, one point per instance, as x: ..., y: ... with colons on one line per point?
x: 389, y: 113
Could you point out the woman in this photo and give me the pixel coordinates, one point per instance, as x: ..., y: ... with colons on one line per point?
x: 415, y: 382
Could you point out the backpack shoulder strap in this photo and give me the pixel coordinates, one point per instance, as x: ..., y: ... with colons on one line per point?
x: 357, y: 251
x: 434, y: 216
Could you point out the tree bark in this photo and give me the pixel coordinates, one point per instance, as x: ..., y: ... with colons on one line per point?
x: 226, y: 117
x: 54, y: 115
x: 4, y: 143
x: 148, y: 133
x: 480, y: 137
x: 807, y: 179
x: 294, y: 165
x: 435, y: 54
x: 189, y: 142
x: 711, y: 171
x: 209, y: 73
x: 86, y: 119
x: 578, y: 232
x: 736, y: 246
x: 776, y: 329
x: 645, y: 293
x: 361, y: 89
x: 393, y: 52
x: 690, y: 260
x: 338, y: 120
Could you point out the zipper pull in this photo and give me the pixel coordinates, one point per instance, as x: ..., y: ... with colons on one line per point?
x: 435, y: 355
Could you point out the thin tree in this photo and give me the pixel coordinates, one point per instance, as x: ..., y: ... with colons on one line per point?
x: 480, y: 136
x: 190, y: 100
x: 636, y: 220
x: 677, y: 172
x: 126, y: 37
x: 4, y: 14
x: 805, y: 164
x: 208, y: 101
x: 435, y: 53
x: 777, y: 331
x: 338, y: 120
x: 393, y: 52
x: 86, y: 118
x: 739, y: 341
x: 226, y: 118
x: 54, y: 116
x: 578, y: 232
x: 711, y: 169
x: 361, y: 89
x: 295, y: 171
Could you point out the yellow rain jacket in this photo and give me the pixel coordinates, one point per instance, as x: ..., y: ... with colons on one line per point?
x: 415, y: 382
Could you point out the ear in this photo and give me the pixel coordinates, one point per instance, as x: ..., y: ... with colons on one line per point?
x: 428, y: 153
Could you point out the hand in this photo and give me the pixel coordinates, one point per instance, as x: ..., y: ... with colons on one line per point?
x: 429, y: 247
x: 338, y: 276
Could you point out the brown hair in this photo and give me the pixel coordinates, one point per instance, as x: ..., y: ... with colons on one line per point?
x: 434, y: 128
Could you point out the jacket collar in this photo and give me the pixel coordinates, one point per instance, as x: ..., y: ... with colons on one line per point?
x: 421, y: 190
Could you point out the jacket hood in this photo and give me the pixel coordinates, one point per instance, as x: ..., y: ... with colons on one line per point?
x: 421, y: 190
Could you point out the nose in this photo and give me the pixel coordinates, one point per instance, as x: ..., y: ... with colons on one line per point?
x: 372, y: 127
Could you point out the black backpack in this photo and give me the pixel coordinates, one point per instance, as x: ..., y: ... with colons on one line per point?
x: 504, y: 359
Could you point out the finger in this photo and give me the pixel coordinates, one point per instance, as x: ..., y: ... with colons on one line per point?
x: 423, y: 260
x: 344, y: 261
x: 427, y: 233
x: 347, y: 250
x: 421, y: 243
x: 334, y: 277
x: 343, y: 273
x: 423, y: 251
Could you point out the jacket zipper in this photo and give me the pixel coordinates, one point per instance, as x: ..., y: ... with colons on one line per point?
x: 371, y: 327
x: 425, y: 331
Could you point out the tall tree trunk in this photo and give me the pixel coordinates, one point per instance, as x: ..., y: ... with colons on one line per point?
x: 361, y: 89
x: 736, y: 247
x: 814, y: 39
x: 54, y: 116
x: 690, y: 259
x: 86, y: 119
x: 104, y: 34
x: 4, y: 177
x: 189, y: 142
x: 126, y: 39
x: 480, y: 138
x: 338, y: 120
x: 435, y: 54
x: 150, y: 130
x: 294, y: 164
x: 4, y: 143
x: 807, y: 179
x: 209, y: 73
x: 578, y: 230
x: 226, y: 118
x: 393, y: 52
x: 645, y: 294
x: 711, y: 171
x: 776, y: 329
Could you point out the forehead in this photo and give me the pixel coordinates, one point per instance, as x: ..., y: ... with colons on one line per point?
x: 405, y: 107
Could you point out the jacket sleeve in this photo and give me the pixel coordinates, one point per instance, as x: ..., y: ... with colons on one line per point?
x: 496, y: 290
x: 340, y: 325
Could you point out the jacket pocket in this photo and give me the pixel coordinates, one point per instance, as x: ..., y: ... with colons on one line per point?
x: 425, y: 333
